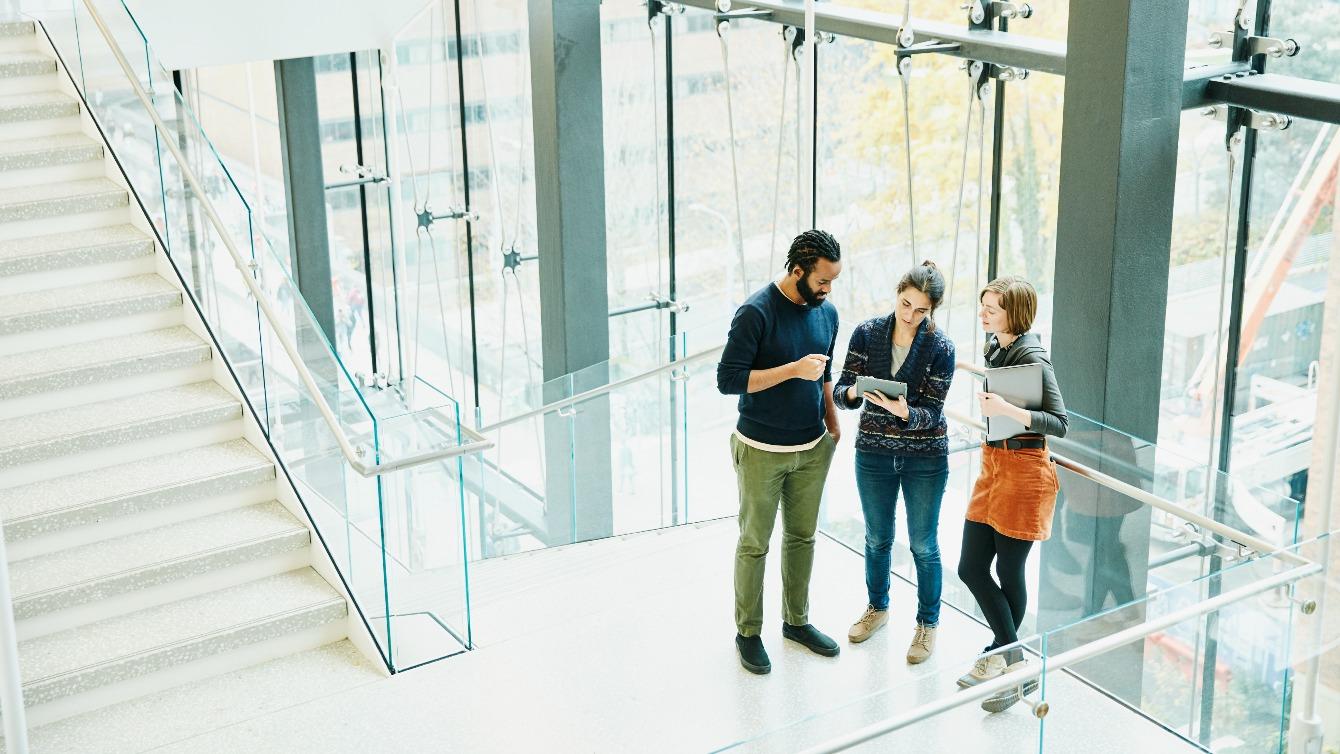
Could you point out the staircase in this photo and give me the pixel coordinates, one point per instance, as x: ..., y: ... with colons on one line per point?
x: 147, y: 542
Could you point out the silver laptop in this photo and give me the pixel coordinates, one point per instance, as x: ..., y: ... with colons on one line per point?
x: 1019, y: 385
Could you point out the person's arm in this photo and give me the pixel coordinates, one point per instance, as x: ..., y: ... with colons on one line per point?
x: 926, y: 407
x: 735, y: 372
x: 1051, y: 419
x: 844, y: 392
x: 830, y: 413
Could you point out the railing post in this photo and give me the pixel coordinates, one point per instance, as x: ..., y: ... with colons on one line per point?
x: 11, y: 685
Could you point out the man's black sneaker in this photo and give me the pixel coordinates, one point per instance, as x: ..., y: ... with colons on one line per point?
x: 753, y: 656
x: 813, y: 639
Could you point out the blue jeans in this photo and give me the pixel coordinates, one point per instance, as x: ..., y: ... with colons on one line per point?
x: 878, y: 478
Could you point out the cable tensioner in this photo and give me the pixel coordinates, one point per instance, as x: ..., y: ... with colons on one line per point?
x: 427, y: 217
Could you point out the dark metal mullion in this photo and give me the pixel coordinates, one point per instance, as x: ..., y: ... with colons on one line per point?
x: 675, y: 458
x: 363, y: 208
x: 465, y: 182
x: 1232, y: 350
x: 997, y: 169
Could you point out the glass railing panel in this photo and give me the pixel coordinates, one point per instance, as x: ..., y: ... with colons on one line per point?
x: 1107, y: 547
x: 1219, y: 678
x: 351, y: 512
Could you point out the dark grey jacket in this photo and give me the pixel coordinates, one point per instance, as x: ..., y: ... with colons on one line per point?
x: 1027, y: 349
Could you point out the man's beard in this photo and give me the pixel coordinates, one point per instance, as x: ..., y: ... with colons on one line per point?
x: 811, y: 296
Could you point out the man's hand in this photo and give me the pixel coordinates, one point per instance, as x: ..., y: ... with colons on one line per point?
x: 809, y: 368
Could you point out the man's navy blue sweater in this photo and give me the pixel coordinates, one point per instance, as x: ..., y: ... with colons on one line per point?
x: 769, y: 330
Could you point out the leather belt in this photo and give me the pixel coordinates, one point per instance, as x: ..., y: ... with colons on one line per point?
x: 1019, y: 443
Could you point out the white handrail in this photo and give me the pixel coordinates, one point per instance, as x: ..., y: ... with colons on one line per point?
x: 1062, y: 660
x: 11, y: 683
x: 603, y: 389
x: 353, y: 455
x: 1154, y: 501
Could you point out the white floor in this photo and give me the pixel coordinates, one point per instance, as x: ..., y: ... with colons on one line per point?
x: 620, y: 645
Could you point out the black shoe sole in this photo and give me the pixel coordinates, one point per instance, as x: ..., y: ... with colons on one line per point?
x: 755, y: 669
x: 821, y: 651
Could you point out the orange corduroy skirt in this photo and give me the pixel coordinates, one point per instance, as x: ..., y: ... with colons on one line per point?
x: 1016, y: 492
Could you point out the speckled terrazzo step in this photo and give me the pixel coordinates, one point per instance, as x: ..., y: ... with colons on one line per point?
x: 48, y: 151
x: 104, y: 570
x: 159, y: 638
x: 51, y: 434
x: 19, y: 64
x: 11, y: 28
x: 115, y: 243
x: 18, y: 108
x: 91, y: 302
x: 139, y: 487
x: 63, y: 198
x: 100, y: 361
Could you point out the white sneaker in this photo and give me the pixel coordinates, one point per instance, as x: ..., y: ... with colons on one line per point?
x: 986, y: 668
x: 1003, y: 700
x: 923, y: 643
x: 870, y: 622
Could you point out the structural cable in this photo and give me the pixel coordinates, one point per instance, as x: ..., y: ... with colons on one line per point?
x: 781, y: 140
x: 722, y: 28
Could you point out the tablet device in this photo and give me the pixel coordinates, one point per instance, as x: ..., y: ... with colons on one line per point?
x: 887, y: 387
x: 1020, y: 386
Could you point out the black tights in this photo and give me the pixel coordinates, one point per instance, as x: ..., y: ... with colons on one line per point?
x: 1002, y: 603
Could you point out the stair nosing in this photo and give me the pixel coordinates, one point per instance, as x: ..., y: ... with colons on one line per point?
x: 143, y: 654
x: 15, y: 387
x: 243, y: 547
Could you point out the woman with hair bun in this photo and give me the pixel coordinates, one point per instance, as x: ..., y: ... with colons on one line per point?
x: 903, y: 444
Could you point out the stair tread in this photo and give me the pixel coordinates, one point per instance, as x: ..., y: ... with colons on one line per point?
x: 12, y: 147
x: 17, y: 28
x: 71, y: 240
x: 24, y: 56
x: 173, y: 625
x: 162, y: 545
x: 35, y: 99
x: 69, y: 297
x: 78, y: 420
x: 100, y: 353
x: 59, y: 190
x: 90, y: 487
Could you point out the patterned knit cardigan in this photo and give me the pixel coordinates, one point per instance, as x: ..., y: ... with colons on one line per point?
x: 928, y: 371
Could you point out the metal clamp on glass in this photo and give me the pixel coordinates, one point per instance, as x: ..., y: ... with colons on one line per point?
x: 427, y: 217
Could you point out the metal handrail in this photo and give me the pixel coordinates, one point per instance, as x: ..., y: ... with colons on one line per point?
x: 11, y: 684
x: 603, y: 389
x: 353, y: 455
x: 1142, y: 496
x: 1063, y: 660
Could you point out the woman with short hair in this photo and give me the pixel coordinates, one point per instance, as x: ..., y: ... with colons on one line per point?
x: 1015, y: 494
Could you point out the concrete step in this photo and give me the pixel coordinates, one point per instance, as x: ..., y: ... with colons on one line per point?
x: 116, y: 500
x: 27, y: 203
x: 83, y: 364
x: 79, y: 429
x: 171, y: 637
x: 90, y: 302
x: 110, y: 569
x: 29, y: 106
x: 48, y: 151
x: 97, y: 246
x: 20, y: 64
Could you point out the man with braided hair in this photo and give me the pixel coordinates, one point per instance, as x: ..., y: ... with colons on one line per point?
x: 777, y: 359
